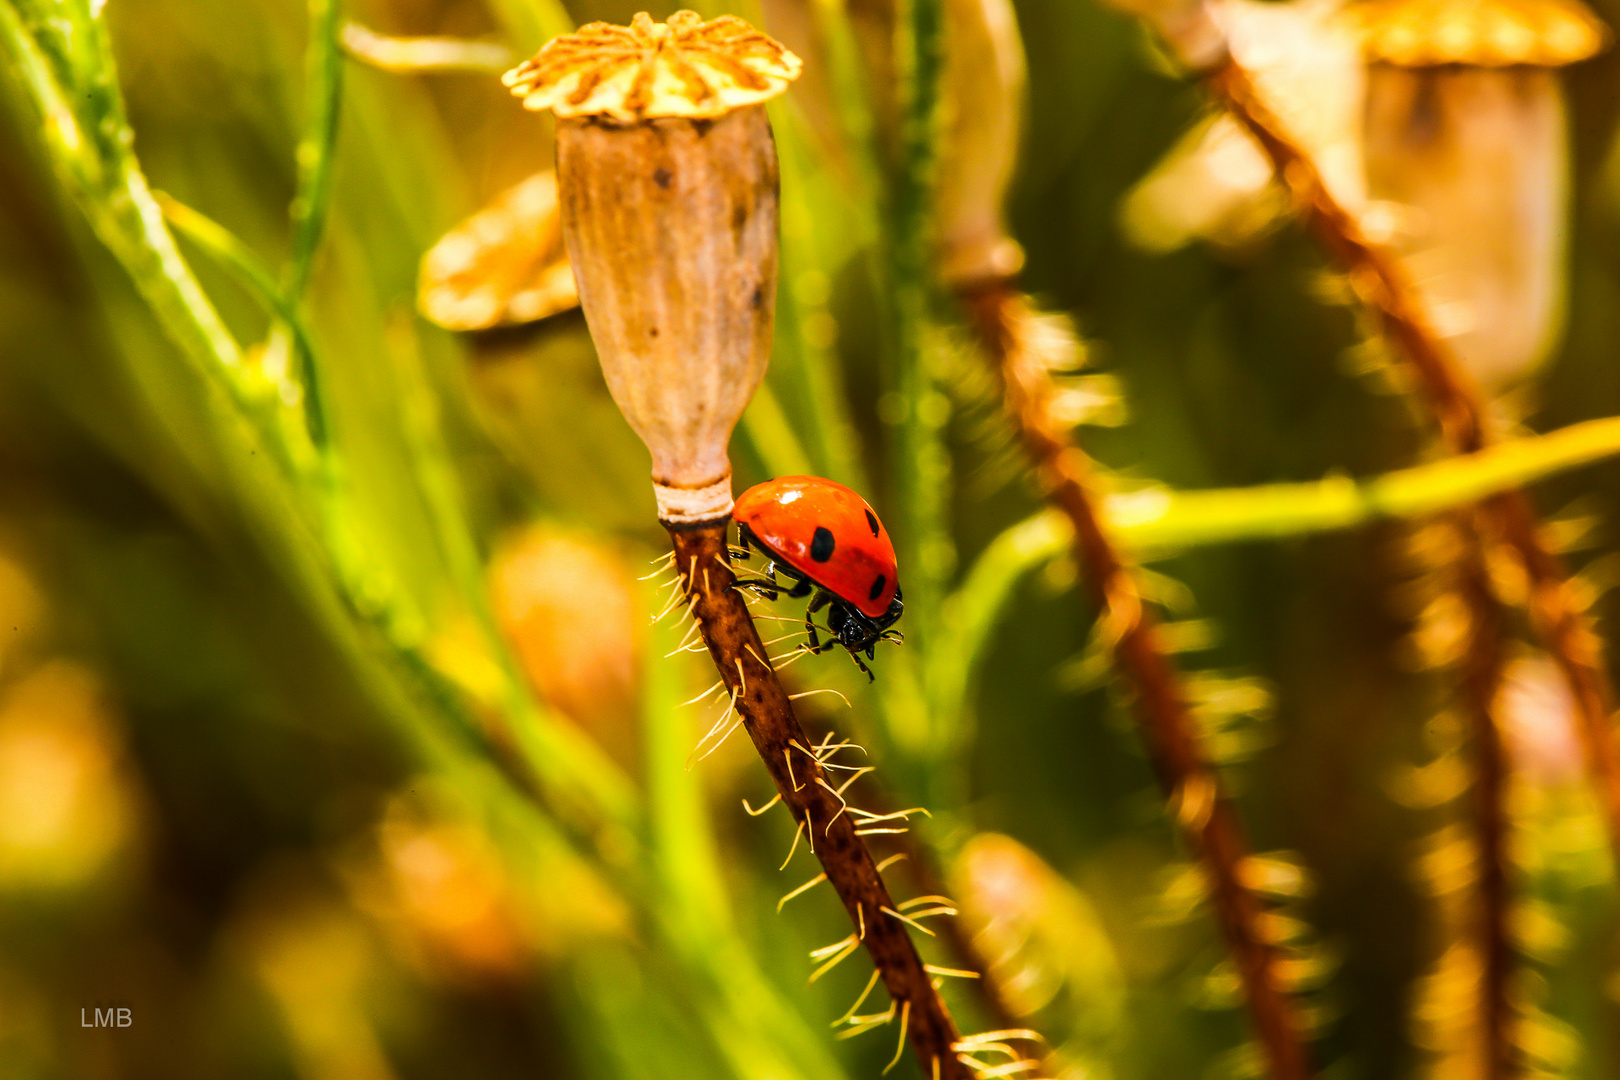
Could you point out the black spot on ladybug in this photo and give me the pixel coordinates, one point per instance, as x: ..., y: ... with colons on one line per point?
x: 662, y: 177
x: 822, y: 544
x: 871, y: 519
x: 877, y: 586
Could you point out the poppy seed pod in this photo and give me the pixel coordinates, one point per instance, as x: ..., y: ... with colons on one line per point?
x: 668, y: 181
x: 1465, y: 133
x: 1217, y: 183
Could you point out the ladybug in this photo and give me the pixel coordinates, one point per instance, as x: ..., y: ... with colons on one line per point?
x: 825, y: 539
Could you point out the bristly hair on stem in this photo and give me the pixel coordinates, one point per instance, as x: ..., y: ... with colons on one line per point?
x: 734, y: 643
x: 1208, y: 820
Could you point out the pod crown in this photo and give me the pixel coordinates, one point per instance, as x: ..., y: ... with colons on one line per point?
x: 1482, y: 33
x: 683, y: 68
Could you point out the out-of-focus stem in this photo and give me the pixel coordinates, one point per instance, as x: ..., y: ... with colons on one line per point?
x: 1383, y: 286
x: 1208, y: 820
x: 1381, y: 283
x: 739, y: 655
x: 1481, y: 683
x: 920, y: 457
x: 323, y: 102
x: 235, y: 256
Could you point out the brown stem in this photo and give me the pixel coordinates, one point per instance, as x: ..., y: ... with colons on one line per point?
x: 1208, y: 821
x: 1481, y: 683
x: 703, y: 562
x: 930, y: 877
x: 1382, y: 285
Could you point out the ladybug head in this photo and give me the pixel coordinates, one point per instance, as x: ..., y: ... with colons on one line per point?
x: 857, y: 632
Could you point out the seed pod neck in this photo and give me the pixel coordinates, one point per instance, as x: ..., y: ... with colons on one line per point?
x: 682, y: 507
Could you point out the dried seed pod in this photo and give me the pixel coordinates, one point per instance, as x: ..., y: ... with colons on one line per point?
x: 1465, y: 133
x: 503, y: 266
x: 984, y: 92
x: 668, y: 180
x: 1217, y: 183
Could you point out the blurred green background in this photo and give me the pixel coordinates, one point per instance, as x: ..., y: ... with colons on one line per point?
x: 221, y: 810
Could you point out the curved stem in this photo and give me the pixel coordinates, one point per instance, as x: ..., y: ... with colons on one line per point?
x: 1208, y: 820
x: 226, y: 248
x: 1383, y: 286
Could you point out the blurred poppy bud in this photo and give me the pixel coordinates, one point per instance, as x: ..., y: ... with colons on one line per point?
x: 668, y: 181
x: 587, y: 667
x: 503, y: 266
x: 1465, y: 142
x: 1038, y: 933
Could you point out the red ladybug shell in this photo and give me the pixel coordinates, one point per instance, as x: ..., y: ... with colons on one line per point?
x: 829, y: 534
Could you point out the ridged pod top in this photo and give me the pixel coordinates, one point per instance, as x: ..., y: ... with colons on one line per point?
x: 1481, y: 33
x: 684, y: 68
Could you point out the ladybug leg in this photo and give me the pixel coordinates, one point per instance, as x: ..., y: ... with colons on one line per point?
x: 769, y: 590
x: 817, y: 602
x: 766, y: 588
x: 801, y: 588
x: 862, y: 664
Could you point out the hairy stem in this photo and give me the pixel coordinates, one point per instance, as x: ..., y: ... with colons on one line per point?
x: 702, y: 561
x: 1481, y: 682
x: 1208, y: 820
x: 1383, y: 286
